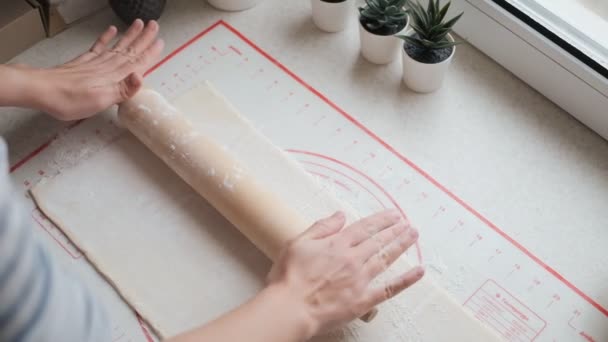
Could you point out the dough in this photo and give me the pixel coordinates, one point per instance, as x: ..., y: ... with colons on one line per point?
x: 179, y: 263
x: 214, y: 172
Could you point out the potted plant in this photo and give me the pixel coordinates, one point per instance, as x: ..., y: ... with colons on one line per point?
x: 428, y: 46
x: 332, y: 15
x: 233, y: 5
x: 379, y: 21
x: 129, y: 10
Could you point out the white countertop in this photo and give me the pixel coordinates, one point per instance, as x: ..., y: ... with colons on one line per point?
x: 524, y: 163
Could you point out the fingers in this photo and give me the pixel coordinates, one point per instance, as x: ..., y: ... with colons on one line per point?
x: 326, y: 227
x: 394, y: 287
x: 130, y: 36
x: 135, y: 52
x: 367, y: 227
x: 378, y: 242
x: 104, y: 40
x: 141, y: 63
x: 387, y: 256
x: 99, y: 47
x: 149, y: 57
x: 127, y: 88
x: 144, y: 40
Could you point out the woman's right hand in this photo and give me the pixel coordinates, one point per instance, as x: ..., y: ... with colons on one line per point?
x: 327, y: 270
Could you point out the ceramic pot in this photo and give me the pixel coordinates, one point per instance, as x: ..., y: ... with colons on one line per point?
x: 129, y: 10
x: 233, y: 5
x: 332, y: 16
x: 380, y: 49
x: 425, y: 77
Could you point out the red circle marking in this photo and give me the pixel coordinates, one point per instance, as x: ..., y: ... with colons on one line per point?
x: 368, y: 178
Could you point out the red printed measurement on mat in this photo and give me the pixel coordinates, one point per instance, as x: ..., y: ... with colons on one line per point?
x: 511, y: 318
x: 56, y: 234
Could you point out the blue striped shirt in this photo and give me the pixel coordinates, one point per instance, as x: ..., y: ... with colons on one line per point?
x: 38, y: 300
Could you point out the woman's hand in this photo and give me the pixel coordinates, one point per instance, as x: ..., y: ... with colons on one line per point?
x: 320, y: 281
x: 93, y: 81
x: 327, y: 270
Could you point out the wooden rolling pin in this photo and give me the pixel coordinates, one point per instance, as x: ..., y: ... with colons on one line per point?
x: 202, y: 163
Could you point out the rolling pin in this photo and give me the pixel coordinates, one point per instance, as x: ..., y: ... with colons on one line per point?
x: 202, y: 163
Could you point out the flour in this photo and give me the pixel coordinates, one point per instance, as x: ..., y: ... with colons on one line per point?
x: 455, y: 283
x: 144, y: 108
x: 72, y: 146
x: 188, y: 137
x: 232, y: 178
x: 436, y: 264
x: 407, y: 327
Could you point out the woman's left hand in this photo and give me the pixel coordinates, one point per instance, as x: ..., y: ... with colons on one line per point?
x: 97, y: 79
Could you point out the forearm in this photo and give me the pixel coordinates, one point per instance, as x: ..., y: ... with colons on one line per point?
x: 18, y: 86
x: 268, y: 317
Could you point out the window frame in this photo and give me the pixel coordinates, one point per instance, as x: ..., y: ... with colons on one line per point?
x: 538, y: 56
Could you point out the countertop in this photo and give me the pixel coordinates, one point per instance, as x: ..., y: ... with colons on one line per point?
x: 505, y: 149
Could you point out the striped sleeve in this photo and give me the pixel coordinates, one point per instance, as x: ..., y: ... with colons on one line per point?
x: 38, y: 300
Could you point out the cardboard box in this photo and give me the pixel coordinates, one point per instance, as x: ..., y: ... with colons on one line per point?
x: 59, y: 15
x: 20, y: 27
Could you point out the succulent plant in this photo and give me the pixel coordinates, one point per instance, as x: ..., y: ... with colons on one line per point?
x: 384, y: 16
x: 429, y: 25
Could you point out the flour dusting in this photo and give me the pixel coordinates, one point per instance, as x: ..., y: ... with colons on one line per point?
x: 188, y: 137
x: 232, y: 178
x: 75, y: 145
x: 144, y: 108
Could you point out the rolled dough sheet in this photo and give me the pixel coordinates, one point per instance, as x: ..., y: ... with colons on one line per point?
x: 180, y: 264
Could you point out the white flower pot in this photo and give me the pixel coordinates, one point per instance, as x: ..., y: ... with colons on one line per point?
x: 233, y: 5
x: 423, y: 77
x: 380, y: 49
x: 332, y: 16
